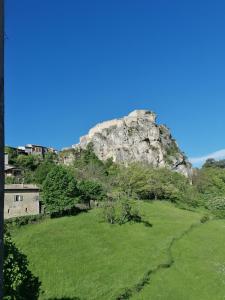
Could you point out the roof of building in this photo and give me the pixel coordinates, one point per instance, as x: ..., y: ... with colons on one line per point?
x: 11, y: 167
x: 21, y: 187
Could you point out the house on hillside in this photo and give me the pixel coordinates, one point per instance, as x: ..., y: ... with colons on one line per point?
x: 11, y: 170
x: 36, y: 149
x: 21, y: 200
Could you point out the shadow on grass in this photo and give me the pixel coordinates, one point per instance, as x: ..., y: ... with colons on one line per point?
x: 139, y: 219
x: 65, y: 298
x: 72, y: 211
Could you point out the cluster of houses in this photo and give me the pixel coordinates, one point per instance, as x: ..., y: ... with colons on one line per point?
x: 28, y: 149
x: 22, y: 199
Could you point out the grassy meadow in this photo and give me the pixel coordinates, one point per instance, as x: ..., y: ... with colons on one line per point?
x: 82, y: 257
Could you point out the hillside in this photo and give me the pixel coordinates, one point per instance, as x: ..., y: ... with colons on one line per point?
x: 136, y: 138
x: 82, y: 257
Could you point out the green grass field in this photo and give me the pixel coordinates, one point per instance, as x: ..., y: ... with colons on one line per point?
x: 84, y: 257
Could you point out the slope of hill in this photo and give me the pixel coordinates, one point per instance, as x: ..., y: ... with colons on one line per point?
x: 86, y: 258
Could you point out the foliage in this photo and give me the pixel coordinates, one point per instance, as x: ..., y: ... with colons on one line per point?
x: 59, y: 190
x: 212, y: 163
x: 121, y: 211
x: 171, y: 151
x: 86, y: 156
x: 109, y: 212
x: 90, y: 190
x: 42, y: 171
x: 210, y: 182
x: 27, y: 162
x: 217, y: 206
x: 12, y: 154
x: 24, y: 220
x: 51, y: 157
x: 145, y: 182
x: 11, y: 180
x: 205, y: 218
x: 19, y: 282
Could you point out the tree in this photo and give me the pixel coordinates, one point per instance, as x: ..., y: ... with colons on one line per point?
x: 59, y: 190
x: 19, y: 282
x: 27, y: 162
x: 133, y: 180
x: 42, y: 171
x: 145, y: 182
x: 12, y: 154
x: 90, y: 190
x: 212, y: 163
x: 210, y: 182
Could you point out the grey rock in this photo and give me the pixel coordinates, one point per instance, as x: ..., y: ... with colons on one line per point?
x: 136, y: 138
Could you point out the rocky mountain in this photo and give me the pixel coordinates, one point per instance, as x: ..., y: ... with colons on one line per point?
x: 136, y: 138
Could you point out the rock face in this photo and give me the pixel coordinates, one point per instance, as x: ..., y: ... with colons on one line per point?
x: 136, y: 138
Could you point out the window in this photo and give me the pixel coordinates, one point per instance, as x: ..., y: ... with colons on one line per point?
x: 18, y: 198
x: 26, y: 209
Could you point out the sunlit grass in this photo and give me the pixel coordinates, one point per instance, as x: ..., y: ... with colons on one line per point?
x: 84, y: 257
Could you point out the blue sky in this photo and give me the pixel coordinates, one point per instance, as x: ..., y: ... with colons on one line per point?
x: 71, y: 64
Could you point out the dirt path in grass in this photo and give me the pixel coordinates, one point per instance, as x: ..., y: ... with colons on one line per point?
x: 131, y: 291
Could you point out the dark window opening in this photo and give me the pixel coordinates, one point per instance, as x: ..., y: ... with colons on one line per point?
x: 18, y: 198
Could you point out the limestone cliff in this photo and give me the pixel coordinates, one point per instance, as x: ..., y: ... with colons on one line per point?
x: 136, y: 138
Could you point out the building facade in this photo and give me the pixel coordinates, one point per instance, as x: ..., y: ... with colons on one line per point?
x: 21, y: 200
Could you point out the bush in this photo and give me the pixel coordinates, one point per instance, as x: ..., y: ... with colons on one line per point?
x: 19, y: 282
x: 147, y: 183
x: 109, y: 212
x: 217, y: 206
x: 204, y: 219
x: 121, y: 211
x: 210, y: 182
x: 216, y: 203
x: 24, y: 220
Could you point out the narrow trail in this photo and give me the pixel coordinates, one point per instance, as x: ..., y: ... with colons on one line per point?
x: 129, y: 292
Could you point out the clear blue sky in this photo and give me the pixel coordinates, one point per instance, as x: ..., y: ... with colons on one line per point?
x: 71, y: 64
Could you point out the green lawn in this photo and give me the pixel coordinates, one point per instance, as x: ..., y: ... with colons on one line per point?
x: 86, y: 258
x: 199, y: 268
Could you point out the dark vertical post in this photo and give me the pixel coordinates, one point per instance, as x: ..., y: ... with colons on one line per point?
x: 1, y: 142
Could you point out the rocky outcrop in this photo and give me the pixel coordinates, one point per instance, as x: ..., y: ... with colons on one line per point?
x: 136, y: 138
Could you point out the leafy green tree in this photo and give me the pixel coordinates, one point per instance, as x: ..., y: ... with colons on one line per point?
x: 59, y: 190
x: 212, y: 163
x: 145, y: 182
x: 133, y: 180
x: 50, y: 157
x: 28, y: 162
x: 90, y: 190
x: 210, y: 182
x: 19, y: 282
x: 42, y: 171
x: 12, y: 154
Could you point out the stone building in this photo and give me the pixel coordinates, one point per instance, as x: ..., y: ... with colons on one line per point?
x: 21, y: 200
x: 37, y: 149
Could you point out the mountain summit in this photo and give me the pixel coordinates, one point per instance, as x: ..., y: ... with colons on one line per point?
x: 136, y: 138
